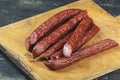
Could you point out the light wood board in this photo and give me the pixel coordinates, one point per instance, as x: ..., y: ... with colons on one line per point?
x: 12, y: 39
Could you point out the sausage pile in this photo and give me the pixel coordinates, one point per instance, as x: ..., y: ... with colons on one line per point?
x: 59, y: 39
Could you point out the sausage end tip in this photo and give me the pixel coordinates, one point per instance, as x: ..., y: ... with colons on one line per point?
x: 67, y: 50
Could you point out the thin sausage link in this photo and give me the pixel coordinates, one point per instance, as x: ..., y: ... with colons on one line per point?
x: 91, y: 31
x: 77, y: 35
x: 48, y: 25
x: 57, y: 54
x: 81, y: 54
x: 58, y: 45
x: 42, y: 45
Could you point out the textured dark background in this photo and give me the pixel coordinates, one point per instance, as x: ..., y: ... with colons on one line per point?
x: 15, y: 10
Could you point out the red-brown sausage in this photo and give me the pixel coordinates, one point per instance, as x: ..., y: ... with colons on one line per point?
x: 91, y: 31
x: 57, y: 54
x: 44, y: 28
x: 42, y: 45
x: 58, y: 45
x: 77, y: 35
x: 80, y: 54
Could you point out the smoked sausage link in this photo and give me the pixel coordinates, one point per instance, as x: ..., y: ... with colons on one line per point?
x: 90, y: 32
x: 57, y: 54
x: 42, y: 45
x: 58, y: 45
x: 77, y: 35
x: 48, y: 25
x: 80, y: 54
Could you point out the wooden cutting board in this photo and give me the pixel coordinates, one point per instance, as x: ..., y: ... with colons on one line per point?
x: 12, y: 39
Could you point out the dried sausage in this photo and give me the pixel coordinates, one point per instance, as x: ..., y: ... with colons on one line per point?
x: 57, y: 54
x: 91, y: 31
x: 58, y: 45
x: 42, y: 45
x: 80, y: 54
x: 44, y: 28
x: 77, y: 35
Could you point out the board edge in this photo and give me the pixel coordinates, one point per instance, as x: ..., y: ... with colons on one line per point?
x: 17, y: 63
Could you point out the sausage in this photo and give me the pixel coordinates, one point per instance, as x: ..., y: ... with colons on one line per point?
x: 57, y: 54
x: 90, y: 32
x: 42, y: 45
x: 77, y: 35
x: 88, y: 35
x: 81, y: 54
x: 58, y: 45
x: 44, y: 28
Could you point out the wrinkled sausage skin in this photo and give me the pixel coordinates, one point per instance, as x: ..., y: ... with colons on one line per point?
x: 77, y: 35
x: 48, y: 25
x: 58, y: 45
x: 42, y: 45
x: 91, y: 31
x: 81, y: 54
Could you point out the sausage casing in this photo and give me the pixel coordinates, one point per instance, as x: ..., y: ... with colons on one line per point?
x: 44, y: 28
x: 77, y: 35
x: 80, y: 54
x: 42, y: 45
x: 91, y: 31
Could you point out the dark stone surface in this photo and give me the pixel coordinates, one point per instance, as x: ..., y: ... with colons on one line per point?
x: 15, y: 10
x: 9, y: 71
x: 112, y: 6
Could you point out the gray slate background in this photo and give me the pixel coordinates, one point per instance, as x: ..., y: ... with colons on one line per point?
x: 15, y: 10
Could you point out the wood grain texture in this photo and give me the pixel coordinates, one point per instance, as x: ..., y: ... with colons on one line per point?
x: 12, y: 38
